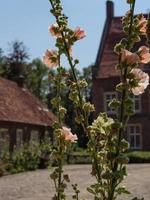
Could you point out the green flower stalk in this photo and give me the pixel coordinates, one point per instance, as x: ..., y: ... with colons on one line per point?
x: 66, y: 38
x: 64, y: 137
x: 106, y: 143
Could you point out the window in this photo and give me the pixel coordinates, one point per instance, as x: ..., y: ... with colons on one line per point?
x: 136, y: 103
x: 4, y: 140
x: 134, y: 135
x: 34, y: 136
x: 19, y: 137
x: 108, y: 96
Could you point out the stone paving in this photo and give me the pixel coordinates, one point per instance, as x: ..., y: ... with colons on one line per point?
x: 36, y: 185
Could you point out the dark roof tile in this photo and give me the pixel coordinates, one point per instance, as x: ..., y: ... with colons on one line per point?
x: 19, y: 105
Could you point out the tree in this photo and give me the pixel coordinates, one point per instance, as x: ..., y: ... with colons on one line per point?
x: 37, y: 78
x: 16, y: 61
x: 70, y: 116
x: 2, y: 63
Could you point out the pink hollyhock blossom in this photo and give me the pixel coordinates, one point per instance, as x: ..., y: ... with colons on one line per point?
x: 50, y: 58
x: 143, y: 25
x: 143, y: 81
x: 54, y: 30
x: 67, y: 135
x: 144, y: 54
x: 128, y: 57
x: 79, y: 33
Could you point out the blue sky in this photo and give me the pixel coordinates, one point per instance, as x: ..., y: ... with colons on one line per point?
x: 28, y: 21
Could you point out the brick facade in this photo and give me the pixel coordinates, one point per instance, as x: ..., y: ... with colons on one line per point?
x: 105, y: 78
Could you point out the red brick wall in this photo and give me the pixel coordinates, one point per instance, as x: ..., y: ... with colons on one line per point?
x: 108, y: 85
x: 99, y: 87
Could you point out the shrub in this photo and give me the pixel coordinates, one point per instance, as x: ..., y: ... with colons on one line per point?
x: 45, y: 153
x: 26, y: 158
x: 139, y: 157
x: 30, y: 156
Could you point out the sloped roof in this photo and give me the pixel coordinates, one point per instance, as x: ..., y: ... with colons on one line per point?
x: 19, y: 105
x: 106, y: 58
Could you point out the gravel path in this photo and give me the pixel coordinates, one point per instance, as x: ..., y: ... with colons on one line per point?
x: 36, y: 185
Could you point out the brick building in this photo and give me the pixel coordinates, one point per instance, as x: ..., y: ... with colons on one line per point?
x: 22, y: 115
x: 105, y: 78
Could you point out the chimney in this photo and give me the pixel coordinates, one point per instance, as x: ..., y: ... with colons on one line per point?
x: 109, y: 9
x: 20, y: 80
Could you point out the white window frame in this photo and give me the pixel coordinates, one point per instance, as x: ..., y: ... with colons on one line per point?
x: 136, y: 97
x: 106, y: 101
x: 135, y: 147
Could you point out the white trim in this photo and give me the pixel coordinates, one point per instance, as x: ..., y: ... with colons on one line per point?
x: 135, y: 97
x: 106, y: 102
x: 134, y: 134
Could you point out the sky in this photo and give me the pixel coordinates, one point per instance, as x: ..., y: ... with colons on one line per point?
x: 28, y: 21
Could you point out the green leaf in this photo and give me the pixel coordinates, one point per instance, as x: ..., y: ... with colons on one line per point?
x: 122, y: 190
x: 91, y: 190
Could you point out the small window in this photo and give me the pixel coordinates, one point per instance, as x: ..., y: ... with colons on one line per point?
x: 19, y: 138
x: 108, y: 96
x: 34, y: 136
x: 136, y: 103
x: 4, y: 140
x: 134, y: 135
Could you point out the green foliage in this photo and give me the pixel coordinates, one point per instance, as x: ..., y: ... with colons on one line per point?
x: 81, y: 156
x: 139, y: 156
x: 26, y: 158
x: 15, y: 62
x: 29, y: 156
x: 37, y: 78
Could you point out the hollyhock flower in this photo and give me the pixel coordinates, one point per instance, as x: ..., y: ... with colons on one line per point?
x: 67, y: 135
x: 144, y: 54
x: 50, y: 58
x: 143, y: 25
x: 79, y: 33
x: 54, y: 30
x: 128, y: 57
x: 143, y: 81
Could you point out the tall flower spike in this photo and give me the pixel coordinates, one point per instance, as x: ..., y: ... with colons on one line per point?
x: 143, y: 81
x: 50, y: 58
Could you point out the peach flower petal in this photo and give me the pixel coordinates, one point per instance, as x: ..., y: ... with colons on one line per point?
x: 143, y: 81
x: 67, y: 135
x: 129, y: 57
x: 144, y: 54
x: 50, y: 58
x: 54, y: 30
x: 79, y: 33
x: 143, y: 25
